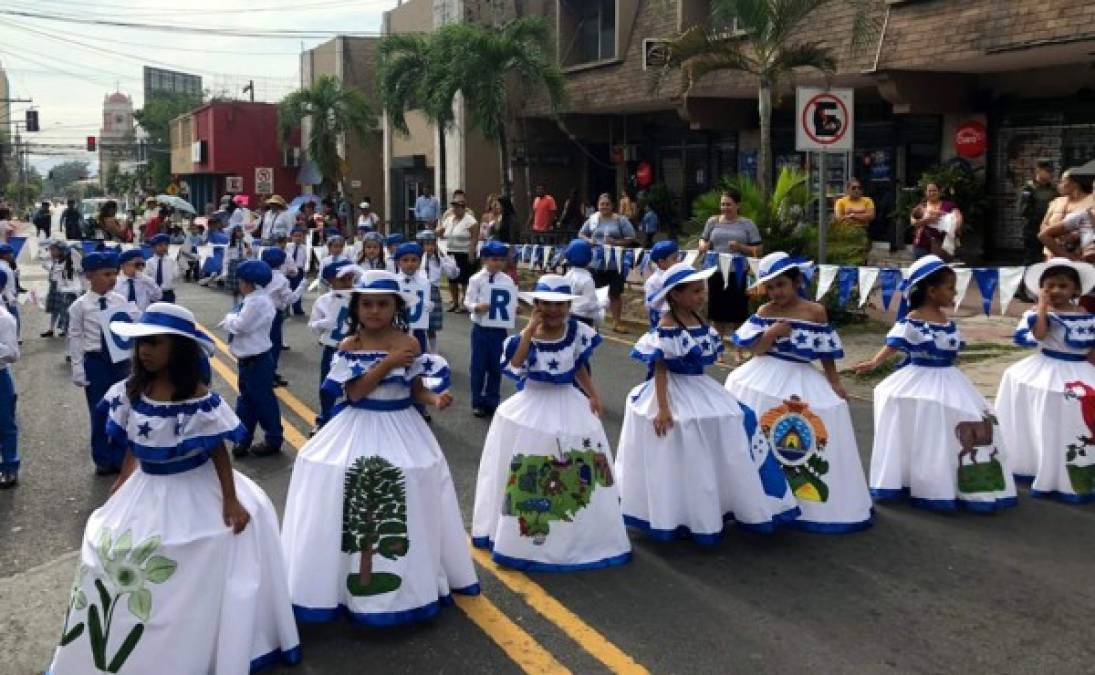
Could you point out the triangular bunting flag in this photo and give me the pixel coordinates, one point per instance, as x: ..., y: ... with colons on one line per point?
x: 826, y: 277
x: 739, y: 270
x: 867, y: 277
x: 725, y: 262
x: 754, y: 267
x: 846, y: 279
x: 619, y: 251
x: 1010, y: 278
x: 962, y: 284
x: 988, y: 278
x: 690, y: 257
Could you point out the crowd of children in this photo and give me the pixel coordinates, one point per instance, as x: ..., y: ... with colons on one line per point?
x: 372, y: 527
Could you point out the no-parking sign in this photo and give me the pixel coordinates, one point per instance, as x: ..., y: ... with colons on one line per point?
x: 824, y: 120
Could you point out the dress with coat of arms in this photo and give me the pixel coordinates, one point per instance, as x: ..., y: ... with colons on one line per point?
x: 546, y: 498
x: 936, y: 441
x: 710, y: 468
x: 808, y: 427
x: 1046, y: 406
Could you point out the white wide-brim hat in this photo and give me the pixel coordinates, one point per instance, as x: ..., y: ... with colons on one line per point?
x: 1032, y: 278
x: 680, y: 273
x: 165, y: 318
x: 775, y: 264
x: 549, y: 288
x: 382, y: 282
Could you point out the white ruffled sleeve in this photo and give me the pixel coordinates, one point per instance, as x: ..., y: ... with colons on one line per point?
x: 433, y: 370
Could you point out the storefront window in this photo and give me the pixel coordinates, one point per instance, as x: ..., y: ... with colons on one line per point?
x: 587, y: 31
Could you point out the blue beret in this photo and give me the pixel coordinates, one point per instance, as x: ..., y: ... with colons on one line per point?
x: 274, y: 257
x: 426, y: 235
x: 255, y: 271
x: 394, y: 239
x: 99, y: 261
x: 335, y: 239
x: 159, y: 239
x: 579, y: 253
x: 494, y: 249
x: 331, y: 270
x: 6, y: 248
x: 131, y: 254
x: 408, y: 248
x: 663, y: 250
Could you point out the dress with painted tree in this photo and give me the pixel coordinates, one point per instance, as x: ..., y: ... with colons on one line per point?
x: 372, y: 527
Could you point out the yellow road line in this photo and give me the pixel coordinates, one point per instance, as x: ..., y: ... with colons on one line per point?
x: 597, y: 645
x: 292, y: 436
x: 587, y: 637
x: 518, y: 645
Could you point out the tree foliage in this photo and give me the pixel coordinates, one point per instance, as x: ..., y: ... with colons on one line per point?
x: 155, y: 118
x: 758, y: 38
x: 59, y: 181
x: 335, y: 111
x: 374, y: 513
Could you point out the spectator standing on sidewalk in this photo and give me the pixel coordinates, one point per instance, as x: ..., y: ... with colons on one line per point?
x: 854, y: 207
x: 542, y: 218
x: 1069, y: 227
x: 426, y: 209
x: 43, y: 220
x: 1034, y: 200
x: 608, y: 228
x: 70, y: 221
x: 650, y: 225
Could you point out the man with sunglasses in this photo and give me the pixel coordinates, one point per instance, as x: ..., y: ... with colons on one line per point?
x: 854, y: 207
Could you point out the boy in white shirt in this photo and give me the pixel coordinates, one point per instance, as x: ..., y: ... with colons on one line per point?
x: 283, y: 297
x: 435, y: 265
x: 161, y: 268
x: 483, y: 301
x: 248, y: 327
x: 93, y: 369
x: 664, y: 255
x: 133, y: 284
x: 330, y: 321
x: 296, y: 253
x: 587, y: 309
x: 9, y: 431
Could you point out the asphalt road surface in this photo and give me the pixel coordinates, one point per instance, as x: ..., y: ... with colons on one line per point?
x: 918, y: 592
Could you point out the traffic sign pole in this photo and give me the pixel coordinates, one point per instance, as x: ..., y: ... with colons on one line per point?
x: 822, y: 211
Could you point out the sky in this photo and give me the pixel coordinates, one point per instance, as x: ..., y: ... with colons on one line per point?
x: 45, y: 60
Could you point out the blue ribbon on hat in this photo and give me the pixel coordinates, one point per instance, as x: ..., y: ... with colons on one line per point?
x: 778, y: 266
x: 888, y: 280
x: 846, y: 278
x: 386, y: 285
x: 988, y: 278
x: 169, y: 321
x: 540, y: 286
x: 677, y: 277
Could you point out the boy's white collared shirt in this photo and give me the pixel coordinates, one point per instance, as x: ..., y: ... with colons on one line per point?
x: 249, y: 325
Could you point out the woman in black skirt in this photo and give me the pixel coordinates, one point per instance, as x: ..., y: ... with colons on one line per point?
x: 729, y: 232
x: 608, y: 228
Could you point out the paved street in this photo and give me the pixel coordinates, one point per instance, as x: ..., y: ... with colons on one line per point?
x: 919, y: 592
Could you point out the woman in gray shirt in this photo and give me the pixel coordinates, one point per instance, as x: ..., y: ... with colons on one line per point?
x: 608, y: 228
x: 729, y: 232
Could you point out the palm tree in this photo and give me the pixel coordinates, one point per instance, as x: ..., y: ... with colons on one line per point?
x: 479, y: 62
x: 335, y: 111
x: 409, y: 75
x: 754, y: 37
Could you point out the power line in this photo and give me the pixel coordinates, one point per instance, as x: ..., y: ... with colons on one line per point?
x: 165, y: 28
x: 132, y: 10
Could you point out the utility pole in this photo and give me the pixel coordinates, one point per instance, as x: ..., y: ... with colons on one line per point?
x: 250, y: 88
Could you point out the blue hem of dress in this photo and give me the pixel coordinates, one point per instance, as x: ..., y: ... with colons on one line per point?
x: 710, y: 539
x: 831, y: 528
x: 881, y: 494
x: 381, y: 619
x: 1023, y: 478
x: 1065, y: 497
x: 289, y: 657
x: 536, y: 566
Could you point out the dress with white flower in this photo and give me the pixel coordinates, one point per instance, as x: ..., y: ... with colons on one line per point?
x: 546, y: 498
x: 808, y: 426
x: 162, y: 579
x: 936, y: 440
x: 372, y: 528
x: 706, y: 471
x: 1046, y: 406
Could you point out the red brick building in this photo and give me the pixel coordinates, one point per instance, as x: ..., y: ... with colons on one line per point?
x: 220, y: 148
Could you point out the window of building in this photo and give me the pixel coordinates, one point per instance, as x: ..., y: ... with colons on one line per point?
x: 693, y: 13
x: 587, y: 31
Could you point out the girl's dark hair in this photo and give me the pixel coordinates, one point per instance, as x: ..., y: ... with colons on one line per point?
x: 183, y: 369
x: 399, y: 321
x: 793, y: 273
x: 919, y: 292
x: 732, y: 193
x: 232, y: 238
x: 1061, y: 271
x: 1085, y: 183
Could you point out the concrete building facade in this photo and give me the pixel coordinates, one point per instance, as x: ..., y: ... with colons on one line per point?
x: 117, y: 137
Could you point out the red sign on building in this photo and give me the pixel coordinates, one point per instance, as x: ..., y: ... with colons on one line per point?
x: 971, y: 139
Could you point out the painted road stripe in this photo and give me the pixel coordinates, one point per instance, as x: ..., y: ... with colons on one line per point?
x: 597, y: 645
x: 517, y: 644
x: 554, y: 611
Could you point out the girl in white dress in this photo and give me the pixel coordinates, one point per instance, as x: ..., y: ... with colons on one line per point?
x: 372, y: 527
x: 686, y: 463
x: 546, y: 498
x: 1046, y: 402
x: 181, y: 569
x: 936, y: 441
x: 802, y: 413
